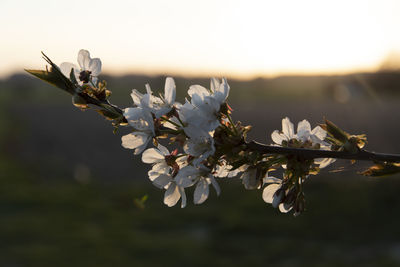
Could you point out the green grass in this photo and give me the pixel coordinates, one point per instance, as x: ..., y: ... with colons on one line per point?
x: 49, y: 222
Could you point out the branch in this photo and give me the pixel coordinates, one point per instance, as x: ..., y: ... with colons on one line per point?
x: 312, y: 153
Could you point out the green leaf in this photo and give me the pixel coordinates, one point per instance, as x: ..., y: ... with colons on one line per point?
x: 72, y: 76
x: 140, y: 203
x: 336, y: 132
x: 109, y: 115
x: 54, y: 76
x: 382, y: 169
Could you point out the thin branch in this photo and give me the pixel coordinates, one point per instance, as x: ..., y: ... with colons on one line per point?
x: 312, y: 153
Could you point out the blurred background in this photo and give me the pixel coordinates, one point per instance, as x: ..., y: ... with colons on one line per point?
x: 69, y: 191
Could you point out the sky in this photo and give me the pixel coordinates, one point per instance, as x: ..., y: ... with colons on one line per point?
x: 210, y: 38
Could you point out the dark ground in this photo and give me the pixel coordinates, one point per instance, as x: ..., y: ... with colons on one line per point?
x: 67, y: 187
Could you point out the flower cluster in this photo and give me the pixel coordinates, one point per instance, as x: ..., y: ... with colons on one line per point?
x: 190, y: 125
x: 206, y: 144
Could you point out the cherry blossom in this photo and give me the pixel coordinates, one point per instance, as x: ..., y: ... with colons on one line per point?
x: 88, y: 70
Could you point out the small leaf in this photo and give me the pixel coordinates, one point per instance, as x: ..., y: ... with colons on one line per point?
x: 335, y: 131
x: 79, y: 102
x: 54, y: 76
x: 382, y: 169
x: 140, y: 203
x: 72, y: 76
x: 108, y: 115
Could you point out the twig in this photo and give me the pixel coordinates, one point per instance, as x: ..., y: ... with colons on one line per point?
x: 313, y: 153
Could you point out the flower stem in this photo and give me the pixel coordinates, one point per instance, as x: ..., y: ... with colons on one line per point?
x: 233, y: 125
x: 168, y: 120
x: 313, y: 153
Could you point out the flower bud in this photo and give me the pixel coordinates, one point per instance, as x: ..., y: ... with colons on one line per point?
x: 79, y: 102
x: 225, y: 109
x: 299, y: 205
x: 278, y: 197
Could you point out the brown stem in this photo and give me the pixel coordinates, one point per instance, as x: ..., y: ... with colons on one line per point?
x: 312, y: 153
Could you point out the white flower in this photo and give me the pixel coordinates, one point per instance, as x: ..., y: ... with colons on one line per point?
x: 201, y: 116
x: 286, y: 134
x: 224, y: 170
x: 273, y: 195
x: 142, y: 121
x: 317, y: 135
x: 199, y: 145
x: 173, y: 194
x: 88, y: 70
x: 304, y: 134
x: 159, y: 106
x: 218, y: 92
x: 190, y: 175
x: 249, y: 179
x: 203, y: 110
x: 162, y: 175
x: 219, y: 89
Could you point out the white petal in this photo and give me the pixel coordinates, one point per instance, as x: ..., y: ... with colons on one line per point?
x: 162, y: 180
x: 183, y: 195
x: 284, y: 209
x: 161, y: 167
x: 225, y: 89
x: 184, y: 181
x: 277, y: 137
x: 95, y: 66
x: 198, y: 90
x: 170, y: 125
x: 201, y: 192
x: 197, y: 100
x: 194, y: 132
x: 215, y: 185
x: 249, y: 179
x: 133, y: 113
x: 303, y: 130
x: 84, y: 59
x: 135, y: 140
x: 187, y: 112
x: 214, y: 84
x: 161, y: 111
x: 221, y: 170
x: 154, y: 174
x: 172, y: 195
x: 94, y: 80
x: 136, y: 97
x: 148, y: 89
x: 139, y: 119
x: 287, y: 128
x: 182, y: 161
x: 164, y: 151
x: 269, y: 191
x: 271, y: 180
x: 319, y: 132
x: 66, y: 67
x: 222, y: 91
x: 187, y: 176
x: 212, y: 104
x: 277, y: 199
x: 152, y: 155
x: 170, y: 91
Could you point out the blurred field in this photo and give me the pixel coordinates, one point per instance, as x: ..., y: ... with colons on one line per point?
x: 67, y: 187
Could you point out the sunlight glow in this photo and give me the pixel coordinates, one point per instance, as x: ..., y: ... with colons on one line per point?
x: 239, y: 38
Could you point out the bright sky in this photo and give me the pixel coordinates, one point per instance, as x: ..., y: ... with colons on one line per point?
x: 208, y: 37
